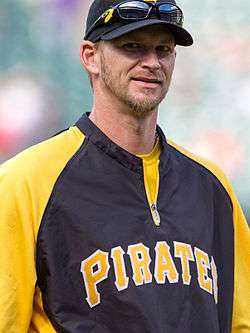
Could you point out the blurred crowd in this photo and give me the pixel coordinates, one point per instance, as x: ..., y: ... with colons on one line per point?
x: 43, y: 88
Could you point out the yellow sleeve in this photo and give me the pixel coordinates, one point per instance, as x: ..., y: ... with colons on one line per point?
x: 241, y: 308
x: 26, y: 183
x: 17, y: 254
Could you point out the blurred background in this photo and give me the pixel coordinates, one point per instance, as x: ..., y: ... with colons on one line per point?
x: 43, y: 88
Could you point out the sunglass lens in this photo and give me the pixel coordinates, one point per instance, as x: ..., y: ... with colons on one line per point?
x: 171, y: 13
x: 133, y: 10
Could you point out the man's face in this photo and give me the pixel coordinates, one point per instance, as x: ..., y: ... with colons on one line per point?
x: 136, y: 69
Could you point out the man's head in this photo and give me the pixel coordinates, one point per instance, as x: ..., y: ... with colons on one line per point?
x: 129, y: 51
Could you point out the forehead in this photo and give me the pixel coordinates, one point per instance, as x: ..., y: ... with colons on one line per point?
x: 151, y: 34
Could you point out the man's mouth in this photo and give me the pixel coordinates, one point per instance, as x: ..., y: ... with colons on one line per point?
x: 147, y: 82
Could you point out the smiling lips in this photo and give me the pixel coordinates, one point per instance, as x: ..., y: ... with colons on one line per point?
x: 147, y: 82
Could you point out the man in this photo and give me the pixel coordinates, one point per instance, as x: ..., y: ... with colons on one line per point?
x: 108, y: 227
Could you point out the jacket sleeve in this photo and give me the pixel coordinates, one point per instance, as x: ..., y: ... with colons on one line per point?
x: 26, y: 183
x: 17, y: 252
x: 241, y: 308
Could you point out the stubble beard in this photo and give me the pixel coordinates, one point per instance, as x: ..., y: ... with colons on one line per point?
x: 139, y: 107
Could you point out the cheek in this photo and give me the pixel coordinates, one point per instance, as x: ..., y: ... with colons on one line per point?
x: 128, y: 66
x: 168, y: 67
x: 116, y: 67
x: 121, y: 68
x: 172, y: 62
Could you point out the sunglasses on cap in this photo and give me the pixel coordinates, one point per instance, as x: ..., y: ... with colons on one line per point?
x: 139, y: 10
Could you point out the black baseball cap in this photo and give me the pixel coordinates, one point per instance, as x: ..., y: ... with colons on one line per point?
x: 121, y: 27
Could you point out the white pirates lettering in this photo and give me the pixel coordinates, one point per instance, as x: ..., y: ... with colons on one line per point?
x: 203, y: 265
x: 164, y: 264
x: 119, y: 267
x: 185, y: 253
x: 95, y: 268
x: 140, y: 261
x: 91, y: 277
x: 215, y: 280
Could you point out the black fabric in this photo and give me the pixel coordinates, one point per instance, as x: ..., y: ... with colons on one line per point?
x: 98, y: 203
x: 181, y: 36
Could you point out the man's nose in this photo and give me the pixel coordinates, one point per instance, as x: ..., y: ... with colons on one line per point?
x: 150, y: 59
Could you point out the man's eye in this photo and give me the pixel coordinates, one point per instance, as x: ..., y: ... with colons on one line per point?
x: 132, y: 46
x: 164, y: 49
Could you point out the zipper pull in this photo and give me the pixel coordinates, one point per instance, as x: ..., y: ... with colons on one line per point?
x: 156, y: 215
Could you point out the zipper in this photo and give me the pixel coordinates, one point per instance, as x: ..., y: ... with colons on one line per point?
x: 151, y: 181
x: 155, y: 214
x: 152, y: 197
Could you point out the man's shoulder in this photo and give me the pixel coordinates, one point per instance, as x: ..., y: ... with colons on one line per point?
x: 45, y: 156
x: 202, y: 163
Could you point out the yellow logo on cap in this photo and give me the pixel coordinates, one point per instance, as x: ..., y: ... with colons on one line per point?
x: 150, y: 0
x: 108, y: 15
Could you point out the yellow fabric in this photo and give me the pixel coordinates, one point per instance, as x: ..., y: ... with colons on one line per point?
x: 26, y: 183
x: 241, y: 307
x: 151, y: 174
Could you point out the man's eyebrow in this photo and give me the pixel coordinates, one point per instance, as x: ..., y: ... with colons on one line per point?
x: 166, y: 41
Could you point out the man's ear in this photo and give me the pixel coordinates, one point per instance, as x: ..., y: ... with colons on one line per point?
x: 88, y: 57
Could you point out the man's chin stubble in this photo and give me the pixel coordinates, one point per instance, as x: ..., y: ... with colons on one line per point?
x: 142, y: 108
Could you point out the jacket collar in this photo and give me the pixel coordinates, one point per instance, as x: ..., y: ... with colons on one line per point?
x: 97, y: 137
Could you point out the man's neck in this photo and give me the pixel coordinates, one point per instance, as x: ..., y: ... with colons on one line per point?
x: 134, y: 134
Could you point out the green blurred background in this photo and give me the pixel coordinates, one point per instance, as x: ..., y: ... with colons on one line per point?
x: 44, y: 89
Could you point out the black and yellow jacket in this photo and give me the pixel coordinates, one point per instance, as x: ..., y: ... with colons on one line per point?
x: 94, y: 239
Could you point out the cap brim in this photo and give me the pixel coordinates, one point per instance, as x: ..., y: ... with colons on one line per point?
x: 182, y: 36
